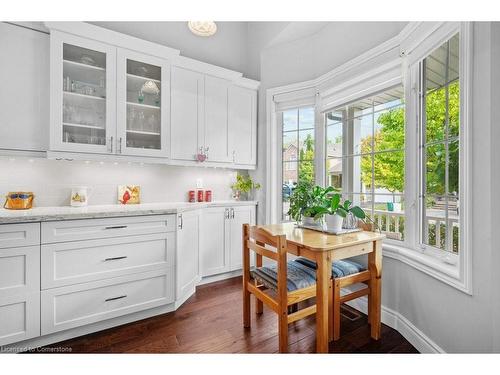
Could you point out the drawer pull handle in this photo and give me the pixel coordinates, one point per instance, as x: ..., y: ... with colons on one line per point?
x: 114, y: 298
x: 116, y: 227
x: 114, y: 258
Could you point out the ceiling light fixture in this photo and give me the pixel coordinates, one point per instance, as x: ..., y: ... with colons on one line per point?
x: 202, y: 28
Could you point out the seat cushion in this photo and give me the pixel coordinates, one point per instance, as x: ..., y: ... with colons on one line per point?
x: 340, y: 268
x: 298, y: 276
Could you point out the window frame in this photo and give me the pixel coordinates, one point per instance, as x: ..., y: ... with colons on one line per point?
x: 450, y: 268
x: 279, y: 121
x: 346, y: 137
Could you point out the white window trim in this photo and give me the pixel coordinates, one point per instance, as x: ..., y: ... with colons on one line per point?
x: 426, y: 258
x: 415, y: 40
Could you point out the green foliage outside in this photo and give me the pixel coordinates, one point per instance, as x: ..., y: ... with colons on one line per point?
x: 389, y: 167
x: 306, y: 167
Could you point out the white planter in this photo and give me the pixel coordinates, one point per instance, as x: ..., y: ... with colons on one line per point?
x: 397, y: 207
x: 334, y: 223
x: 309, y: 221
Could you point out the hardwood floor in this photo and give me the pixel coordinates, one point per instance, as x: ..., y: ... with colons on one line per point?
x: 211, y: 322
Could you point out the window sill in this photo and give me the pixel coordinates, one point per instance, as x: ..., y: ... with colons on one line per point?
x: 428, y: 264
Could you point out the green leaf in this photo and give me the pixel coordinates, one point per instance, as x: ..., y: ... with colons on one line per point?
x: 347, y: 204
x: 341, y: 212
x: 358, y: 212
x: 334, y: 204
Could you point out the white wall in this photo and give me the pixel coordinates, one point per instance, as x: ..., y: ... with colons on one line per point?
x: 495, y: 181
x: 52, y: 180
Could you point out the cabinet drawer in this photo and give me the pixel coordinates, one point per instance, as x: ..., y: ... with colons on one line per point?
x: 89, y: 229
x: 78, y: 305
x: 70, y: 263
x: 19, y: 270
x: 19, y: 317
x: 16, y: 235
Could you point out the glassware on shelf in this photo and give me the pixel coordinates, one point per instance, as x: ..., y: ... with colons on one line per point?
x: 140, y: 120
x: 140, y: 97
x: 157, y: 99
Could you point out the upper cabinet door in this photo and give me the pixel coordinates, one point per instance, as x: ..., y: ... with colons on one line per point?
x: 242, y: 113
x: 216, y: 120
x: 24, y: 73
x: 186, y: 120
x: 83, y: 94
x: 143, y: 105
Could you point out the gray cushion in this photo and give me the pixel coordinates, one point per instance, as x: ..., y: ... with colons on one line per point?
x: 340, y: 268
x: 298, y: 276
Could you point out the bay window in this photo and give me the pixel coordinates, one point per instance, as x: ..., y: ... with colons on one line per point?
x: 395, y: 140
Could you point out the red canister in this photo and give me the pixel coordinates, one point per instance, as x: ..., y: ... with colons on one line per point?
x: 192, y: 197
x: 208, y: 196
x: 200, y: 195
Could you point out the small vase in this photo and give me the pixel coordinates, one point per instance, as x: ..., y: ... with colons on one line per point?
x: 236, y: 195
x: 334, y: 223
x: 309, y: 221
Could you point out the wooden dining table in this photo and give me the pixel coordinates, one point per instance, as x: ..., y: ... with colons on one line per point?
x: 325, y: 248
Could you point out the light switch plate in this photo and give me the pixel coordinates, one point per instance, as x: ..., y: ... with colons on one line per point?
x: 199, y: 183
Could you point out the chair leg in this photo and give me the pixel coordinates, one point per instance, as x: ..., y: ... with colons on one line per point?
x: 336, y: 310
x: 246, y: 307
x: 283, y: 332
x: 330, y: 312
x: 369, y: 297
x: 259, y: 306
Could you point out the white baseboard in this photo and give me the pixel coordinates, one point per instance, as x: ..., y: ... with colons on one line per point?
x: 222, y: 276
x: 398, y: 322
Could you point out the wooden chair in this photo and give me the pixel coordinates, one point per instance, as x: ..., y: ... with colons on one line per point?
x: 291, y: 281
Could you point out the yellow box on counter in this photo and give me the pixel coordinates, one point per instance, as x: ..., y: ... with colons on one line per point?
x: 20, y: 200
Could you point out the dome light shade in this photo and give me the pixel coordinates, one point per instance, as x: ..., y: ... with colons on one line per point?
x: 202, y: 28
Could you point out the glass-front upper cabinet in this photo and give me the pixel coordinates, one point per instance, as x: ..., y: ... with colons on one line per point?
x: 83, y: 97
x: 143, y: 104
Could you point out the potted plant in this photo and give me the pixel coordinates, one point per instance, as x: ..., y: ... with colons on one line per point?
x: 245, y: 185
x: 334, y: 211
x: 305, y: 201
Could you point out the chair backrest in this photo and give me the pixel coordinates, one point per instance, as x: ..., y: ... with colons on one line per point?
x: 256, y: 239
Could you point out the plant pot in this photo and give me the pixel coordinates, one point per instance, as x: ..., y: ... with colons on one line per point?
x: 309, y: 221
x: 334, y: 223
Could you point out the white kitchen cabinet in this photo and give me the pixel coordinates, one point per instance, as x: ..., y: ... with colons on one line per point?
x: 242, y: 120
x: 68, y: 263
x: 24, y: 97
x: 187, y: 91
x: 215, y: 240
x: 82, y: 94
x: 221, y: 245
x: 19, y: 282
x: 216, y: 120
x: 80, y: 304
x: 143, y: 101
x: 239, y: 215
x: 188, y: 245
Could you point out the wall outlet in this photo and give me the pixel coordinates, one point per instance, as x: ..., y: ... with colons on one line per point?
x: 199, y: 183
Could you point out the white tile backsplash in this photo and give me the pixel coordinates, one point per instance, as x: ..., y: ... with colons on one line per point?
x: 51, y: 180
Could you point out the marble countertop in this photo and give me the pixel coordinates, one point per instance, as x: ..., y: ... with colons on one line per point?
x: 37, y: 214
